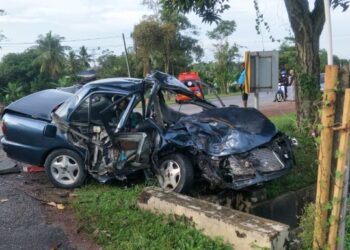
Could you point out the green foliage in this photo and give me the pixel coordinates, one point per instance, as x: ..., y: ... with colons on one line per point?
x: 19, y: 67
x: 84, y: 58
x: 209, y: 10
x: 110, y: 213
x: 111, y: 65
x: 222, y: 30
x: 262, y: 23
x: 224, y: 54
x: 64, y: 81
x: 304, y: 172
x: 161, y: 44
x: 12, y: 92
x: 73, y: 65
x: 347, y: 230
x: 307, y: 226
x: 288, y: 54
x: 51, y: 54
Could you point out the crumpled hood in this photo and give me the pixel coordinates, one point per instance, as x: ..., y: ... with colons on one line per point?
x: 40, y: 104
x: 222, y: 131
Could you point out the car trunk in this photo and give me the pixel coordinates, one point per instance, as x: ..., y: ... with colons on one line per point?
x: 39, y: 105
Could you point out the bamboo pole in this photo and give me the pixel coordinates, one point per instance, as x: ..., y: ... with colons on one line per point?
x: 325, y: 157
x: 340, y: 172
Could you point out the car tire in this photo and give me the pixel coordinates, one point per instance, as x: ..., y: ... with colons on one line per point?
x: 65, y: 168
x: 176, y: 173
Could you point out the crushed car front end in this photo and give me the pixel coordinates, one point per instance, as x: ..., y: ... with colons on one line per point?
x: 234, y: 147
x: 259, y: 165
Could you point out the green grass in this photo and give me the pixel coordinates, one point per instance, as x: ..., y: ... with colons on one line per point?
x: 347, y: 229
x: 305, y: 171
x: 110, y: 215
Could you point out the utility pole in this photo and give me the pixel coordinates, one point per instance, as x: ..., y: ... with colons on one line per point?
x: 126, y: 56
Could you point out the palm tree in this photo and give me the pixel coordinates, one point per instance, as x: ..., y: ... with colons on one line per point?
x: 51, y: 58
x: 85, y: 58
x: 73, y: 63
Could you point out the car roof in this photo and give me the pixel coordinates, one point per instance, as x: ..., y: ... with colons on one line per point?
x: 119, y: 83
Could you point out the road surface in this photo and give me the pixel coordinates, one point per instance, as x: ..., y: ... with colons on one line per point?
x: 265, y: 103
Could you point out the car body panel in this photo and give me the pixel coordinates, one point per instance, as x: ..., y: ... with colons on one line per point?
x: 223, y: 131
x: 24, y: 139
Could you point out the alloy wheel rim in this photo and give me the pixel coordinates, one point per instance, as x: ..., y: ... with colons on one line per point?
x: 170, y: 175
x: 64, y: 169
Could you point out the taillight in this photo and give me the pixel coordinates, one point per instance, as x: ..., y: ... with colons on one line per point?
x: 4, y: 128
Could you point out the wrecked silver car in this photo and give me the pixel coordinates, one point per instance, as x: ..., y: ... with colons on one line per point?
x: 112, y: 128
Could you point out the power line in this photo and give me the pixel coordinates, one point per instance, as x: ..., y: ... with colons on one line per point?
x: 64, y: 41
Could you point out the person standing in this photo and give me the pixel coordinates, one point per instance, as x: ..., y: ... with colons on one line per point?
x: 241, y: 80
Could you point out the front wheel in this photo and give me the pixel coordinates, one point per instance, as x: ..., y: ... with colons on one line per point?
x: 65, y: 169
x: 279, y: 96
x: 176, y: 173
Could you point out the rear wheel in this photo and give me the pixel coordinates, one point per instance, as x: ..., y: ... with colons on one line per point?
x: 65, y: 168
x: 176, y: 173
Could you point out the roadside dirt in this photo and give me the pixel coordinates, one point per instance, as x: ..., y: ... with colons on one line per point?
x: 278, y: 108
x: 36, y: 186
x: 40, y: 191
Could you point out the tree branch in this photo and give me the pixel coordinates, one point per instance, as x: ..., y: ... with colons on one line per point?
x: 318, y: 17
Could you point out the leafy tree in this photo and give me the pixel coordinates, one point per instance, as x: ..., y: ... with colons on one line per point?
x: 51, y: 54
x: 307, y: 26
x: 148, y: 38
x: 19, y: 68
x: 173, y: 51
x: 73, y: 64
x: 84, y: 56
x: 224, y: 53
x: 288, y: 54
x: 111, y: 65
x: 223, y: 30
x: 209, y: 10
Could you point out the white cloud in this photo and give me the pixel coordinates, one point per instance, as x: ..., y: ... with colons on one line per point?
x: 75, y: 19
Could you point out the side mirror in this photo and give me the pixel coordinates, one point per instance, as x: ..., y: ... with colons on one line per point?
x: 50, y: 130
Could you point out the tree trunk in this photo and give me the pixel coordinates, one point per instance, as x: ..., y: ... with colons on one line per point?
x: 146, y: 67
x: 308, y: 87
x: 307, y: 27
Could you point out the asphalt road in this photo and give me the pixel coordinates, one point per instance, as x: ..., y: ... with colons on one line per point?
x: 22, y: 221
x: 22, y: 224
x: 265, y: 98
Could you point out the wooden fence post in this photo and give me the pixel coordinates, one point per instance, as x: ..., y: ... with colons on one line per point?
x: 340, y: 172
x: 325, y: 157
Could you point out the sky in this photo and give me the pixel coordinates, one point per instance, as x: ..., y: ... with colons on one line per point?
x: 99, y: 24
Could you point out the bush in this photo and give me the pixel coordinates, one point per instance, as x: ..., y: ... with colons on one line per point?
x: 307, y: 226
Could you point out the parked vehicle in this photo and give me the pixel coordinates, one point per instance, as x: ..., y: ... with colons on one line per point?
x: 108, y: 130
x: 193, y: 82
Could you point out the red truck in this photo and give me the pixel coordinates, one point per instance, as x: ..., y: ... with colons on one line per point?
x: 193, y: 82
